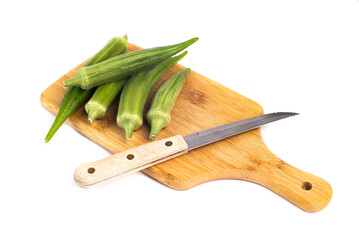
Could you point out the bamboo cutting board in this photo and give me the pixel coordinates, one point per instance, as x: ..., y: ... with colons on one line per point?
x: 202, y: 104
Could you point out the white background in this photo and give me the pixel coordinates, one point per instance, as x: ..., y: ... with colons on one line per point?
x: 288, y: 55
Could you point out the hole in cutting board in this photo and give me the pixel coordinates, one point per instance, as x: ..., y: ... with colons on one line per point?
x: 307, y: 186
x: 91, y: 170
x: 168, y: 143
x: 130, y: 156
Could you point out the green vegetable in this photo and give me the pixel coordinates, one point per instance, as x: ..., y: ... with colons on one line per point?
x: 102, y: 99
x: 159, y: 114
x: 135, y: 94
x: 124, y: 65
x: 75, y: 96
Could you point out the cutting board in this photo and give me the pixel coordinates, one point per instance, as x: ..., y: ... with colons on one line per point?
x: 202, y: 104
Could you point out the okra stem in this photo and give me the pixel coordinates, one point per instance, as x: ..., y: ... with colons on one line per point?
x: 129, y: 126
x: 157, y: 123
x: 94, y: 112
x: 102, y: 99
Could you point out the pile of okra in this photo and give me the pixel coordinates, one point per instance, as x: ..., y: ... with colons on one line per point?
x: 112, y: 69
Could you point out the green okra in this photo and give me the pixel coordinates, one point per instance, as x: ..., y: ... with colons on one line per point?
x: 135, y: 93
x: 102, y: 99
x: 124, y: 65
x: 159, y: 114
x: 75, y: 96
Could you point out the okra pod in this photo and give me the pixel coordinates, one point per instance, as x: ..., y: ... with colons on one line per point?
x: 75, y: 96
x: 135, y: 94
x: 124, y: 65
x: 159, y: 114
x: 102, y: 99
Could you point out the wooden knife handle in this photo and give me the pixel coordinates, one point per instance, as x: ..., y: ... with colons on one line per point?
x: 129, y: 161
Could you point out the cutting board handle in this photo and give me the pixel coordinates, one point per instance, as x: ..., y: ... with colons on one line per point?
x: 303, y: 189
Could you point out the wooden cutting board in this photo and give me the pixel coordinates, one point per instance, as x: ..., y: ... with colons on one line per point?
x: 202, y: 104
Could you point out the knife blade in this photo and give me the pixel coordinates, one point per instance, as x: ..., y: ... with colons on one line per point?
x: 156, y: 152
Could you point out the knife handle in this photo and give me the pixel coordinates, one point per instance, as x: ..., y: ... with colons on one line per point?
x: 129, y: 161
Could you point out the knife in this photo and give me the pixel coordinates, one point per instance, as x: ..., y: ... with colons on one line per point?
x: 147, y: 155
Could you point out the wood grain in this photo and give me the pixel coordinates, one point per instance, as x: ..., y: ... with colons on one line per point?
x: 202, y: 104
